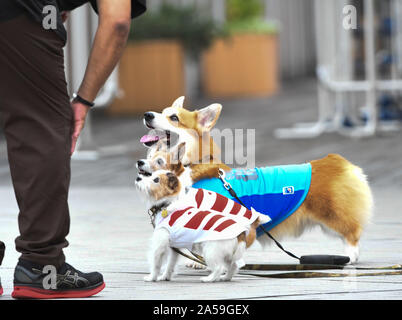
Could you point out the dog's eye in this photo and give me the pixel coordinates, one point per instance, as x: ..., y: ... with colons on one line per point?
x: 159, y: 161
x: 156, y: 180
x: 174, y: 117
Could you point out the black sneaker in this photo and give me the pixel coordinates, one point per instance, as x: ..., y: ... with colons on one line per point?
x: 30, y: 282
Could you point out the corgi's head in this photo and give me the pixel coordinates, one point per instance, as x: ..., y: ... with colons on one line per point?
x: 163, y: 158
x: 192, y: 127
x: 161, y: 185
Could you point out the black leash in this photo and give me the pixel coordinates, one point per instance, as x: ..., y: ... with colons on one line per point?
x: 229, y: 188
x: 309, y: 259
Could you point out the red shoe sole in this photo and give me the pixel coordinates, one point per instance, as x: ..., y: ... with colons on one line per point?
x: 21, y: 292
x: 1, y: 291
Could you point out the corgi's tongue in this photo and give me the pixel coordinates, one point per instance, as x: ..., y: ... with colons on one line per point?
x: 149, y: 138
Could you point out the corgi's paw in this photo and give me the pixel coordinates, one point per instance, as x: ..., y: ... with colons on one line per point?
x: 352, y: 252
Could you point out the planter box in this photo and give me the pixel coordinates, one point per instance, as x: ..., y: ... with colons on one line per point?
x: 151, y: 77
x: 243, y: 65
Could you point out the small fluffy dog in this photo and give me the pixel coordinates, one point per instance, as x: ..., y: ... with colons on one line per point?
x: 330, y: 192
x: 203, y: 221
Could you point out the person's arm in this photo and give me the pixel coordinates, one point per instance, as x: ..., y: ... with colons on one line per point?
x: 110, y: 40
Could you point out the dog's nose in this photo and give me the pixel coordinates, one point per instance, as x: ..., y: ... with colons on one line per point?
x: 149, y: 116
x: 138, y: 179
x: 140, y: 163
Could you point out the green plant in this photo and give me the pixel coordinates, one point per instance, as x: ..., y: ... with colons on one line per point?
x: 244, y: 9
x: 258, y: 26
x: 195, y: 31
x: 246, y: 16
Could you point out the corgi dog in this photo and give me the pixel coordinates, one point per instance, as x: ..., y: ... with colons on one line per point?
x: 330, y: 192
x: 186, y: 218
x: 193, y: 128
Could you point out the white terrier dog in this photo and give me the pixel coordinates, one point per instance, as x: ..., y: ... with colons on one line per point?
x: 188, y: 218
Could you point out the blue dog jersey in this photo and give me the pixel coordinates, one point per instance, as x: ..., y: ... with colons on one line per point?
x: 276, y: 191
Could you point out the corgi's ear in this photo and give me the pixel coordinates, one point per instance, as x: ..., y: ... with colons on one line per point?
x: 208, y: 116
x: 178, y: 103
x: 179, y: 152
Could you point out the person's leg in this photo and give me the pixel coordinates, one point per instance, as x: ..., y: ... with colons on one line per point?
x: 37, y: 126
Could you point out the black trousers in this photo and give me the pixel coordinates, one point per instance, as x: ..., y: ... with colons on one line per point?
x: 37, y: 124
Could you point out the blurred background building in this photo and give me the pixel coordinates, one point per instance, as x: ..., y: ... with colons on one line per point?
x: 291, y: 22
x: 294, y: 20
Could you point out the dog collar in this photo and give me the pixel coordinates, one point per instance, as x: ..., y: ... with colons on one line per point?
x: 153, y: 211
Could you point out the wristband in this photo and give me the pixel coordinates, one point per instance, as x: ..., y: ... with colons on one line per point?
x: 78, y: 98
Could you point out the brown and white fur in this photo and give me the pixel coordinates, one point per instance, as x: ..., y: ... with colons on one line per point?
x: 339, y: 199
x: 193, y: 128
x: 221, y: 255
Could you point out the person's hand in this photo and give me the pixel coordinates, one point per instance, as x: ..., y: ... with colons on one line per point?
x: 65, y: 15
x: 80, y: 112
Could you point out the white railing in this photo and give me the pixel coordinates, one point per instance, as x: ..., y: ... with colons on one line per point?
x: 338, y: 90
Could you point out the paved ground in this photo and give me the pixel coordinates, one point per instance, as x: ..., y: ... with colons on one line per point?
x: 110, y: 229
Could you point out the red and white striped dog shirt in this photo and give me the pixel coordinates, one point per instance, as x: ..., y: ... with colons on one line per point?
x: 202, y: 215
